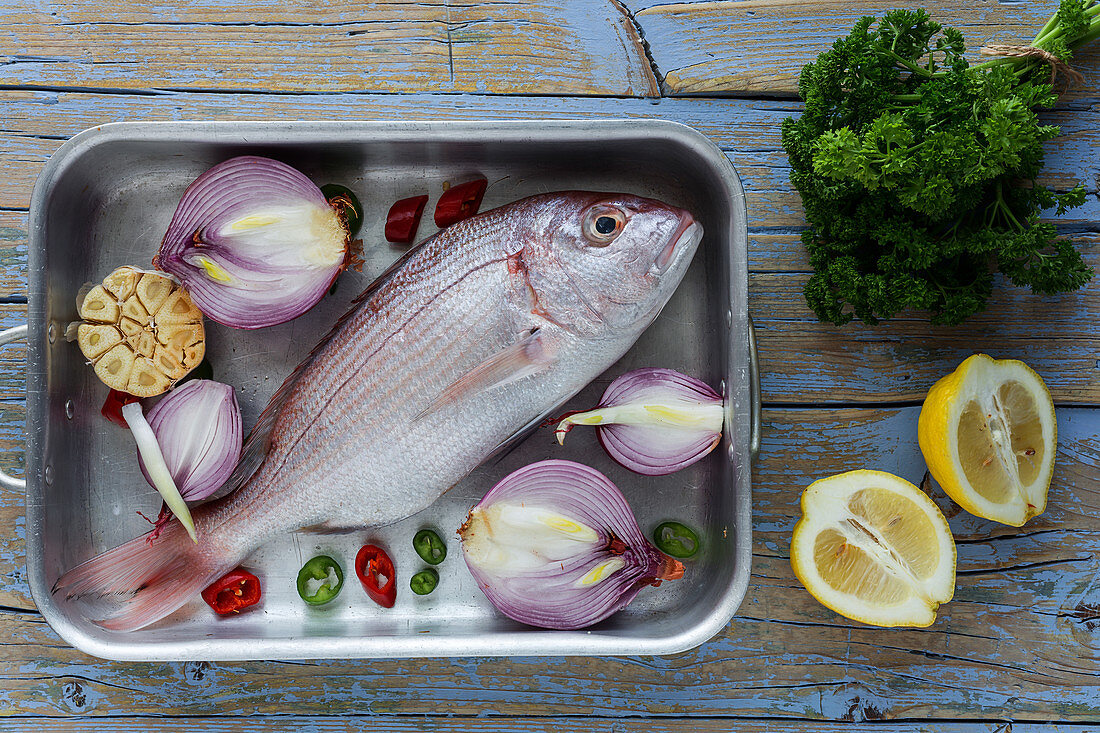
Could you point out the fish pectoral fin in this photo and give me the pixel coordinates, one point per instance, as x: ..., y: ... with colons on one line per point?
x: 529, y: 355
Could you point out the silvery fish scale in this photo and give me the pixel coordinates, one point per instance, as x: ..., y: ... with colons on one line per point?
x: 106, y: 198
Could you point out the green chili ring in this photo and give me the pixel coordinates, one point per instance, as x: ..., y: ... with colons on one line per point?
x: 430, y: 547
x: 676, y: 539
x: 320, y: 580
x: 424, y: 582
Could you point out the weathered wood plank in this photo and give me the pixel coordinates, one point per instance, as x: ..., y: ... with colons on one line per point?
x: 803, y: 360
x: 525, y: 724
x: 1018, y: 641
x: 502, y: 47
x: 13, y: 254
x: 13, y: 358
x: 760, y: 46
x: 748, y: 131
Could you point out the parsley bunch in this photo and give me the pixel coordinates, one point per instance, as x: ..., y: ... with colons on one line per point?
x: 917, y: 170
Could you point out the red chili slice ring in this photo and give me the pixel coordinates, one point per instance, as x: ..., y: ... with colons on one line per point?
x: 404, y: 219
x: 233, y: 592
x: 459, y: 202
x: 375, y: 571
x: 112, y: 406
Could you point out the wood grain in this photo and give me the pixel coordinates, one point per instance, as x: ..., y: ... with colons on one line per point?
x: 747, y: 130
x: 760, y: 46
x: 1019, y: 636
x: 13, y: 254
x: 1021, y: 639
x: 501, y: 47
x: 524, y: 724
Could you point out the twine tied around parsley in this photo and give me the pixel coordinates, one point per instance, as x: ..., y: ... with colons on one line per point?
x: 1057, y: 66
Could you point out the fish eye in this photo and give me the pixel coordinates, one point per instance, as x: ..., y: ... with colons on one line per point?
x: 602, y: 224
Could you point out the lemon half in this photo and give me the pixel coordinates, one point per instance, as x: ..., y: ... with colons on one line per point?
x: 872, y: 547
x: 989, y: 435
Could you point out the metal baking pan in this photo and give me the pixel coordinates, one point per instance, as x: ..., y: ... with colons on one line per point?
x: 105, y: 199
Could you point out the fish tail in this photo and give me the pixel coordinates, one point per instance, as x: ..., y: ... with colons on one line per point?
x: 145, y: 579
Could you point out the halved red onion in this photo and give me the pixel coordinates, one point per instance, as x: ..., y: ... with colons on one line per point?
x: 254, y: 242
x: 654, y: 421
x: 556, y: 545
x: 154, y: 467
x: 198, y: 428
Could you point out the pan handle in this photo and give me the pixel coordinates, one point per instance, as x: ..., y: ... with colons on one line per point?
x: 11, y: 335
x: 754, y: 385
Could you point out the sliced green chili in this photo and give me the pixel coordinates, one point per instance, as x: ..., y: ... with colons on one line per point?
x: 429, y: 546
x: 320, y: 580
x: 673, y: 538
x: 341, y: 196
x: 424, y: 582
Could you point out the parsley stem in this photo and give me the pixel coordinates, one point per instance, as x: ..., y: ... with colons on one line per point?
x: 908, y: 64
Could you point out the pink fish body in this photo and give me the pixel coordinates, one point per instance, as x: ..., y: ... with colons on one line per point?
x: 470, y: 338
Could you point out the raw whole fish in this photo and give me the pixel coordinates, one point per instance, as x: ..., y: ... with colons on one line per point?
x: 466, y: 341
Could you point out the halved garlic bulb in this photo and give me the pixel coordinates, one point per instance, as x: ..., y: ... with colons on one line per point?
x: 140, y: 331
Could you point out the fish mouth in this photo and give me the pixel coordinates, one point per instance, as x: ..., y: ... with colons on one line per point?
x: 686, y: 237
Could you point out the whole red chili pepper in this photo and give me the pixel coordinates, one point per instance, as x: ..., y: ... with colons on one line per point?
x: 234, y: 591
x: 112, y: 406
x: 375, y: 570
x: 404, y: 219
x: 459, y: 202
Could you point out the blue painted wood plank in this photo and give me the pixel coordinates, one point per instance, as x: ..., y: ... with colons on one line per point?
x: 1015, y: 642
x: 432, y: 46
x: 525, y: 724
x: 760, y: 46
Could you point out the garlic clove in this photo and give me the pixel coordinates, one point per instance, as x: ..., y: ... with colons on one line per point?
x: 100, y: 306
x: 181, y: 336
x: 115, y: 366
x: 144, y: 344
x: 130, y: 327
x: 121, y: 282
x: 147, y: 380
x: 96, y: 339
x: 178, y: 309
x: 153, y: 290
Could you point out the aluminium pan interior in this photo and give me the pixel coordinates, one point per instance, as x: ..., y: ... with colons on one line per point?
x: 106, y: 198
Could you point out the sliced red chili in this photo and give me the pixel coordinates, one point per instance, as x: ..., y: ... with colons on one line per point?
x: 459, y: 202
x: 112, y: 406
x: 404, y: 219
x: 375, y: 570
x: 233, y: 592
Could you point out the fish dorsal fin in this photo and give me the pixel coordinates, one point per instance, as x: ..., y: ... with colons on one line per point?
x: 529, y: 355
x: 258, y: 442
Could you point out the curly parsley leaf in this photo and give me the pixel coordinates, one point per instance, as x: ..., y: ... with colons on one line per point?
x: 917, y: 170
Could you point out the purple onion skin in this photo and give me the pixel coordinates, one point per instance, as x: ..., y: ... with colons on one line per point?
x: 650, y: 450
x: 545, y: 596
x: 222, y: 194
x: 202, y: 415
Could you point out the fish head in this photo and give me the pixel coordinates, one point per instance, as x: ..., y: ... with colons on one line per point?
x: 599, y: 261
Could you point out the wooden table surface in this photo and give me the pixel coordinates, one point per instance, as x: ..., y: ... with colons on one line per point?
x: 1019, y: 642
